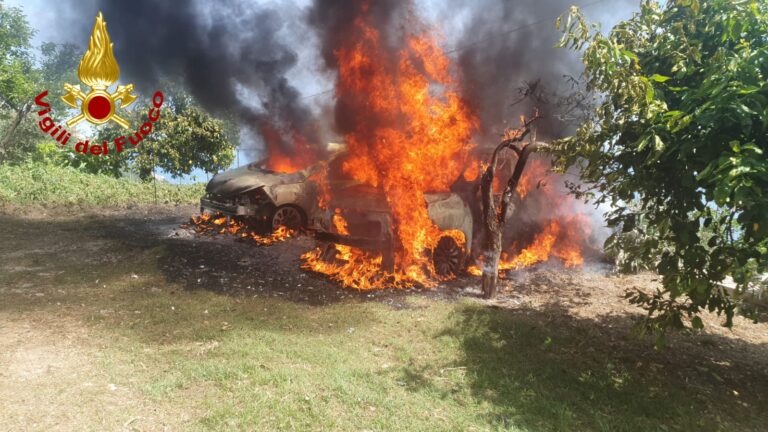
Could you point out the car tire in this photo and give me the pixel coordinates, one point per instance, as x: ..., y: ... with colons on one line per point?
x: 290, y: 216
x: 448, y: 257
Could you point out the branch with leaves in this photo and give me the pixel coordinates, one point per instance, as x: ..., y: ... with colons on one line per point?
x: 676, y: 146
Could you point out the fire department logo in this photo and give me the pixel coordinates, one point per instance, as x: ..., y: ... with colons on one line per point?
x: 99, y: 70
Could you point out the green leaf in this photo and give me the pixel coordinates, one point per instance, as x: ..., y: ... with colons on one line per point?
x: 649, y: 93
x: 697, y: 323
x: 658, y: 144
x: 631, y: 55
x: 643, y: 144
x: 660, y: 78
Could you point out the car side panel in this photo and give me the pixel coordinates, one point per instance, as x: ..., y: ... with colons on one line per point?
x: 449, y: 211
x: 298, y: 194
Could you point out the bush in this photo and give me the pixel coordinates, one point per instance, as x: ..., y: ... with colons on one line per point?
x: 38, y: 182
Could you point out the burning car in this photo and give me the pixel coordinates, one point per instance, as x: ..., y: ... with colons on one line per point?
x: 362, y: 219
x: 253, y: 193
x: 258, y: 195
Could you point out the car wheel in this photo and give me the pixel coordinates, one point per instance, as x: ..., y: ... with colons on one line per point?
x: 448, y: 257
x: 288, y: 216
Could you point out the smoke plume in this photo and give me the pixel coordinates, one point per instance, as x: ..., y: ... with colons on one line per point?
x: 229, y: 54
x: 505, y: 51
x: 508, y: 60
x: 236, y: 56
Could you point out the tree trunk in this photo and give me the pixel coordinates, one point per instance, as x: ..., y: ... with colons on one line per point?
x: 6, y: 140
x: 491, y: 258
x: 494, y: 218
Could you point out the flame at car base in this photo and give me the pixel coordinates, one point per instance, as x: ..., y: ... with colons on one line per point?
x: 208, y: 223
x: 360, y: 269
x: 559, y: 239
x: 560, y: 236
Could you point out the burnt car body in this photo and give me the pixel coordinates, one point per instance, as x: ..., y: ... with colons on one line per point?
x: 369, y: 225
x: 256, y: 194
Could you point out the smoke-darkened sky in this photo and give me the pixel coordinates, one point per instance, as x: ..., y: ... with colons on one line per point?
x: 267, y: 59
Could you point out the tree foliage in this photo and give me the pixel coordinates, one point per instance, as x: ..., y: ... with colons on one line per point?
x: 676, y: 145
x: 185, y: 138
x: 17, y: 75
x: 17, y: 78
x: 58, y: 65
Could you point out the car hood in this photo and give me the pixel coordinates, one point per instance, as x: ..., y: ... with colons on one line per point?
x: 243, y: 179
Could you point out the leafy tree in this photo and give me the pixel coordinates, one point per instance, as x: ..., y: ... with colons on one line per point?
x: 677, y: 146
x: 58, y: 65
x: 17, y: 74
x: 185, y: 138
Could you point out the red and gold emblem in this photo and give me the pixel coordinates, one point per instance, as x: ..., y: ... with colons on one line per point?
x: 99, y: 70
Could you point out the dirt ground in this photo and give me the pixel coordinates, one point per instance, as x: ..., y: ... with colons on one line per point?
x: 47, y: 359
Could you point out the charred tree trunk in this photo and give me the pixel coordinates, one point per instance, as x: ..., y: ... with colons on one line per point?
x: 491, y: 258
x: 495, y: 218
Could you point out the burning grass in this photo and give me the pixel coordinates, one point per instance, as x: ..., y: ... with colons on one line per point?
x: 208, y: 223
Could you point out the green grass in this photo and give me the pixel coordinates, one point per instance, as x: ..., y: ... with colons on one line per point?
x: 39, y: 183
x: 256, y: 363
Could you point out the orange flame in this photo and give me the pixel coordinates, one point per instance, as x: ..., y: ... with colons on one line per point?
x: 279, y: 160
x: 207, y: 223
x: 282, y: 233
x: 534, y: 174
x: 411, y: 137
x: 320, y: 178
x: 352, y: 267
x: 473, y: 170
x: 560, y: 238
x: 356, y: 268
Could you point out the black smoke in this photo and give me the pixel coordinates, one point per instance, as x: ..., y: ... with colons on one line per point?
x: 234, y: 56
x: 509, y: 64
x: 228, y: 53
x: 507, y: 61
